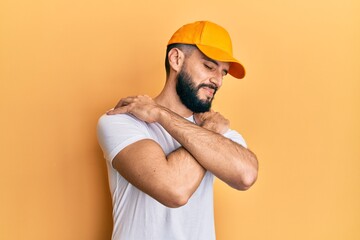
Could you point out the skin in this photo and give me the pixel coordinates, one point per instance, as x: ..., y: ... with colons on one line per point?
x: 172, y: 179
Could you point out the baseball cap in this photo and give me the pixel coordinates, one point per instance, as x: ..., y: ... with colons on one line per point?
x: 212, y: 40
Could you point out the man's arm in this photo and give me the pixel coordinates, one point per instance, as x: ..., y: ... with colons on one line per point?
x: 226, y: 159
x: 169, y: 179
x: 229, y: 161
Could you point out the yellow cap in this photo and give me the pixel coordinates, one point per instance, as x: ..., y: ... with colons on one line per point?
x: 212, y: 40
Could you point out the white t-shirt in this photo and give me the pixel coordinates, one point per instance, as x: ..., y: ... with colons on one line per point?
x: 138, y: 216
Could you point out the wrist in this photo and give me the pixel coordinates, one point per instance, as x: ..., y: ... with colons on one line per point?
x: 163, y: 115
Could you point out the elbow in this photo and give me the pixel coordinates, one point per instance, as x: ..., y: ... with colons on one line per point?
x: 246, y: 178
x: 247, y: 181
x: 176, y: 202
x: 176, y: 198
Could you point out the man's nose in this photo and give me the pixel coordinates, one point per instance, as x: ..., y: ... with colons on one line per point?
x: 217, y: 79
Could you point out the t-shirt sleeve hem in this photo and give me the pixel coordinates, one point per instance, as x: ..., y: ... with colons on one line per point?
x: 236, y: 137
x: 110, y: 157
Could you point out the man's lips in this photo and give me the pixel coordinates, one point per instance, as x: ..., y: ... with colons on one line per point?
x: 209, y: 89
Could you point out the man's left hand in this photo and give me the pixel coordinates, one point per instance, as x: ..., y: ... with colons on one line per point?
x: 212, y: 121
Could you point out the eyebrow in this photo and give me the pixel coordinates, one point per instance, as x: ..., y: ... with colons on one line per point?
x: 210, y: 60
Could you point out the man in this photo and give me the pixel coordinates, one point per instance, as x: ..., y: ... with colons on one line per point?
x: 162, y: 153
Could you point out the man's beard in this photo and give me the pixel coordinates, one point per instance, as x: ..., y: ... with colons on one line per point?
x: 187, y: 92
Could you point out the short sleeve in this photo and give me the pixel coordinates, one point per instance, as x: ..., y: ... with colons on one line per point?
x: 115, y: 132
x: 236, y: 137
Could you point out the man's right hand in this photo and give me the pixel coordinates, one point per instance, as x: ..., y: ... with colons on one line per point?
x: 142, y: 107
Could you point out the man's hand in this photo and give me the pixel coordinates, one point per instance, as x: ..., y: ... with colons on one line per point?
x: 142, y: 107
x: 212, y: 121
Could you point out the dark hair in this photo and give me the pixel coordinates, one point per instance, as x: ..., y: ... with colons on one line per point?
x: 186, y: 48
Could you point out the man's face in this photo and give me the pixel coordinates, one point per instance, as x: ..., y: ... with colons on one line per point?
x: 188, y: 92
x: 198, y: 81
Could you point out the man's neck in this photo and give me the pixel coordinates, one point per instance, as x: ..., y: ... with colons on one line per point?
x: 173, y: 103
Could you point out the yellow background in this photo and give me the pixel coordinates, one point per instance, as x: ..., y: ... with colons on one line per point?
x: 64, y: 62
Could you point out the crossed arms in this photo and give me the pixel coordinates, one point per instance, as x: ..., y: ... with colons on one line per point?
x: 172, y: 179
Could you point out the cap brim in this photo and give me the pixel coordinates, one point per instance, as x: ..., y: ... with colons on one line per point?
x: 236, y: 69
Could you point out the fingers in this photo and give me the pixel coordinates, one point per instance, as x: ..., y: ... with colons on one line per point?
x: 125, y: 101
x: 131, y: 99
x: 117, y: 110
x: 121, y: 106
x: 126, y: 104
x: 201, y: 117
x: 205, y: 115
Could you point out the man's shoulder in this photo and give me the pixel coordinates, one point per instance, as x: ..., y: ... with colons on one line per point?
x: 120, y: 123
x: 118, y: 118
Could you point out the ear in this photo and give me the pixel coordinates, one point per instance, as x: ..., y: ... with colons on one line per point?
x: 176, y: 59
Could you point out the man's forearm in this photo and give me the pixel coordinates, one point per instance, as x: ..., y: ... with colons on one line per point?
x: 226, y: 159
x: 190, y: 172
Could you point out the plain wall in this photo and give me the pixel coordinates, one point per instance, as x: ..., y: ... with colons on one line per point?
x: 64, y: 63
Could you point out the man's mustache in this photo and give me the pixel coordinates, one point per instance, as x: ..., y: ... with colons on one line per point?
x: 209, y: 86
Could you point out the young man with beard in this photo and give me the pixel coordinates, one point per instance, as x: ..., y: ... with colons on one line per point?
x: 162, y: 153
